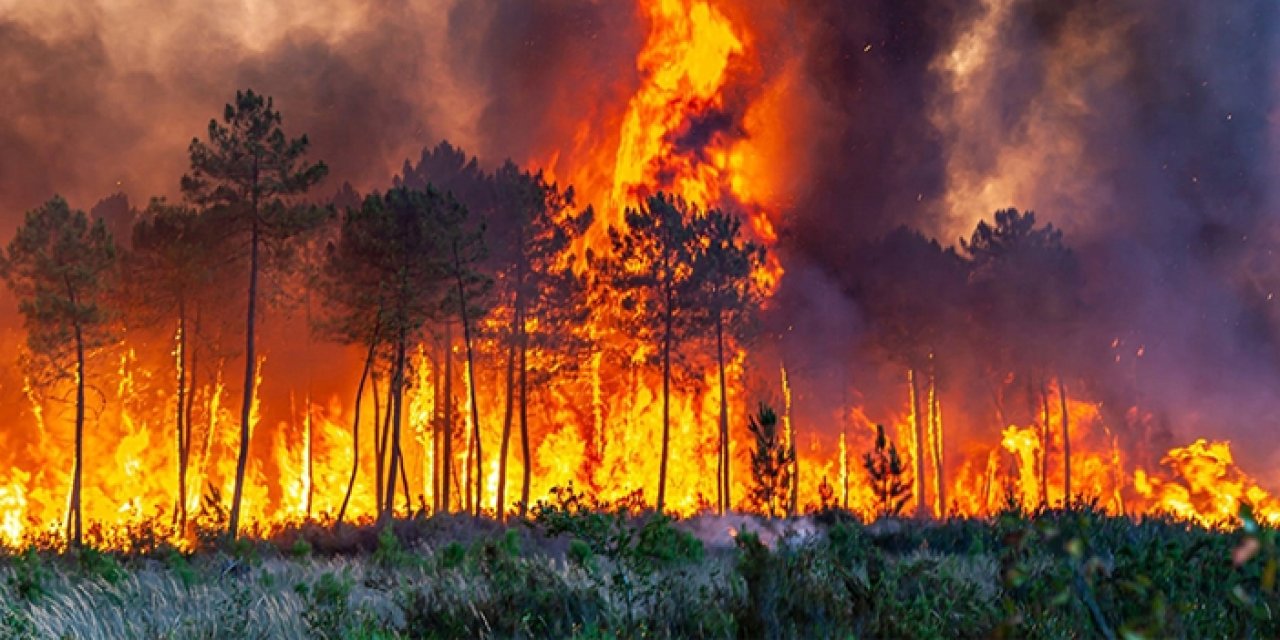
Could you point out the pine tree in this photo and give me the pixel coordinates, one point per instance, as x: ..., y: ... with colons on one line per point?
x: 59, y: 265
x: 725, y: 302
x: 392, y: 271
x: 651, y: 269
x: 170, y: 276
x: 1027, y: 291
x: 536, y: 226
x: 771, y: 461
x: 888, y: 476
x: 250, y: 168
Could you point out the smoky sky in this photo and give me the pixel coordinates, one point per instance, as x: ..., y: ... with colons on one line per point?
x: 1145, y: 130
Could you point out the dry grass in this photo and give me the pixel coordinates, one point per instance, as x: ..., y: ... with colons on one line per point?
x: 1047, y: 575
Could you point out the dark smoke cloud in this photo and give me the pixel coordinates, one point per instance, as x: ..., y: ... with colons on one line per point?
x: 875, y: 157
x: 1145, y: 129
x: 545, y: 69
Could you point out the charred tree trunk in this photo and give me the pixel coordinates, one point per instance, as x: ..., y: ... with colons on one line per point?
x: 355, y: 429
x: 526, y: 455
x: 723, y: 476
x: 793, y: 498
x: 246, y: 406
x: 939, y: 464
x: 184, y: 454
x: 394, y: 411
x: 404, y: 479
x: 1046, y: 440
x: 379, y: 439
x: 668, y: 312
x: 508, y: 412
x: 1066, y: 443
x: 437, y: 436
x: 471, y: 381
x: 180, y: 512
x: 76, y: 522
x: 922, y: 442
x: 446, y: 471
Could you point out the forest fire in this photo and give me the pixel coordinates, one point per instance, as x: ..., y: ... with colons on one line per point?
x: 558, y: 368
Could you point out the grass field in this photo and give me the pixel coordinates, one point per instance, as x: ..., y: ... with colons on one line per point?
x: 572, y: 571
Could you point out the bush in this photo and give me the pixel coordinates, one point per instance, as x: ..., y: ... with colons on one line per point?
x: 30, y: 575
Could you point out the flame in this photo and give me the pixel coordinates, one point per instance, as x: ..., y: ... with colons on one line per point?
x: 1207, y: 486
x: 684, y: 63
x: 701, y: 124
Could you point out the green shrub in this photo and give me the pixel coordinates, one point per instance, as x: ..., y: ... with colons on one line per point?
x: 15, y: 624
x: 96, y: 564
x: 30, y: 575
x: 328, y: 611
x: 181, y: 567
x: 390, y: 553
x: 300, y: 548
x: 453, y: 555
x: 580, y: 554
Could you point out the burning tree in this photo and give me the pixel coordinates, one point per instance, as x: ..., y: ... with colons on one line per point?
x: 448, y: 169
x: 888, y: 476
x: 250, y: 168
x: 771, y: 463
x: 651, y: 269
x: 911, y: 287
x: 59, y: 266
x: 171, y: 270
x: 466, y: 250
x: 544, y: 298
x: 1027, y: 293
x: 726, y: 299
x: 391, y: 271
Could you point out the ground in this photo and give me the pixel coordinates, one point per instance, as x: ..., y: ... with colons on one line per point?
x: 574, y: 572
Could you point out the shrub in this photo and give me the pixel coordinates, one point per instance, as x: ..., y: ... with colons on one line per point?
x: 30, y: 575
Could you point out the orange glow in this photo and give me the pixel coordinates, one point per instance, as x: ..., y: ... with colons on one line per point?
x: 602, y: 431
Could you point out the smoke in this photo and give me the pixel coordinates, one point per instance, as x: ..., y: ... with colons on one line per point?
x: 104, y: 96
x: 1145, y: 130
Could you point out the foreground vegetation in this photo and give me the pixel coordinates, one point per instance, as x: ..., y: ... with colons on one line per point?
x: 579, y: 569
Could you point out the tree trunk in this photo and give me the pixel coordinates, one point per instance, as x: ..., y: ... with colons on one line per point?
x: 666, y: 404
x: 507, y: 413
x: 1045, y: 441
x: 1066, y: 443
x: 471, y: 381
x: 723, y: 478
x: 793, y: 491
x: 387, y: 443
x: 180, y: 513
x: 404, y: 476
x: 184, y: 456
x: 922, y: 442
x: 939, y: 453
x: 308, y: 450
x: 526, y: 479
x: 446, y: 471
x: 76, y: 481
x: 437, y: 436
x: 307, y: 422
x: 355, y: 431
x: 396, y: 394
x: 246, y: 406
x: 379, y: 441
